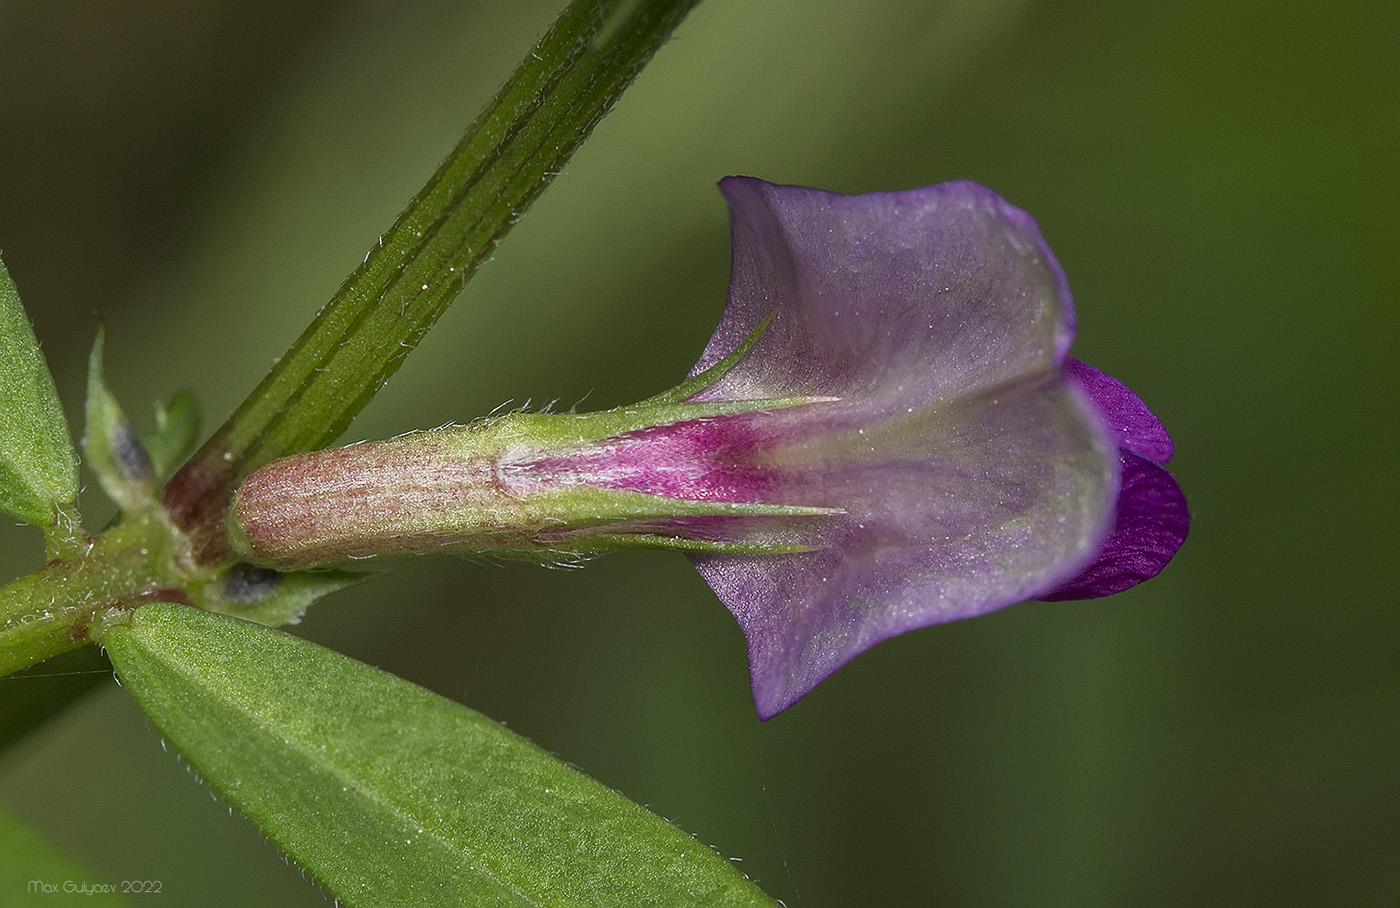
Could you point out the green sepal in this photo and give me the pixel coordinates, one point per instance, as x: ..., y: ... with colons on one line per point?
x: 111, y: 449
x: 604, y: 520
x: 699, y: 382
x: 556, y: 431
x: 587, y: 504
x: 38, y: 466
x: 609, y: 542
x: 666, y: 408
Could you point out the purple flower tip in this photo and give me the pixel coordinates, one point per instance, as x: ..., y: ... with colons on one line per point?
x: 971, y: 463
x: 1150, y: 519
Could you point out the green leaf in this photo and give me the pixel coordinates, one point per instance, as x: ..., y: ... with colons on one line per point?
x: 38, y: 468
x: 111, y: 448
x: 515, y: 148
x: 34, y: 871
x: 388, y: 794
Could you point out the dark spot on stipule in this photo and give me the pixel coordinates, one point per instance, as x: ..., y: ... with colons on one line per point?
x: 129, y: 454
x: 247, y: 583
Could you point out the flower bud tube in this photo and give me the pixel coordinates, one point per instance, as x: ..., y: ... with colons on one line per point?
x: 527, y: 485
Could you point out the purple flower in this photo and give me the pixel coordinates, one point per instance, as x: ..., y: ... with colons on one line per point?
x: 885, y: 432
x: 974, y: 464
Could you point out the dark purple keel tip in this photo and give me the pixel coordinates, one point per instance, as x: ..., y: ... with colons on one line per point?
x: 1151, y: 519
x: 1150, y: 524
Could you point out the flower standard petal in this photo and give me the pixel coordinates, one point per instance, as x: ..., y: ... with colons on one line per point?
x: 897, y: 298
x: 970, y: 473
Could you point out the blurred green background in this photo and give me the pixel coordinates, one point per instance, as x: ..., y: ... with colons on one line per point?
x: 1219, y: 180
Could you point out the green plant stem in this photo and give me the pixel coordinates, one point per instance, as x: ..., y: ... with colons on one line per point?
x: 65, y: 537
x: 63, y: 604
x: 507, y: 157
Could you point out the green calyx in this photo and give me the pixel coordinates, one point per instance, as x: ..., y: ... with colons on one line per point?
x: 514, y: 485
x: 456, y: 490
x: 552, y: 431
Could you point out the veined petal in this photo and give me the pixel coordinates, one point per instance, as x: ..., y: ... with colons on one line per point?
x: 898, y: 299
x: 947, y: 513
x: 971, y: 473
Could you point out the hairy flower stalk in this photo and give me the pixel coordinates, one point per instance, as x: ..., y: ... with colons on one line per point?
x: 885, y: 432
